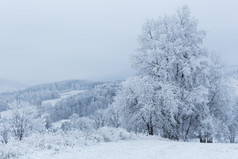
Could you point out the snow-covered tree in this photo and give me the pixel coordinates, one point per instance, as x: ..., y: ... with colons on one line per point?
x: 143, y: 101
x: 4, y: 130
x: 176, y: 84
x: 20, y: 124
x: 87, y: 103
x: 99, y: 118
x: 24, y: 119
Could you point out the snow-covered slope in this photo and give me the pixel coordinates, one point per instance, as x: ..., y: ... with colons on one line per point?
x: 150, y: 148
x: 62, y: 96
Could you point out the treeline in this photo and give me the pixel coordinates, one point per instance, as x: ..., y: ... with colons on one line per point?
x: 24, y: 118
x: 36, y: 94
x: 86, y: 103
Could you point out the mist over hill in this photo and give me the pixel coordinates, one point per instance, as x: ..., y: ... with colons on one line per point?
x: 231, y: 71
x: 10, y: 86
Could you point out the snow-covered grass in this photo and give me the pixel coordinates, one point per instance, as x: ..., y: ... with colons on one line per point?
x: 146, y: 148
x: 60, y: 141
x: 111, y: 143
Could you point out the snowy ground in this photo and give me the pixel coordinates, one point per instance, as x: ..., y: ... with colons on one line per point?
x: 144, y: 149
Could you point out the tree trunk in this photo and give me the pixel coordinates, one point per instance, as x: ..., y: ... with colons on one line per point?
x: 150, y: 129
x: 209, y: 140
x: 202, y: 140
x: 206, y: 139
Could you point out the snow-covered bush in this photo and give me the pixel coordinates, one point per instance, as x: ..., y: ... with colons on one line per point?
x: 109, y: 134
x: 60, y: 140
x: 81, y: 123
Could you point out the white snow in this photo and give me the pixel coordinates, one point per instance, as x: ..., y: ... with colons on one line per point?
x: 149, y: 148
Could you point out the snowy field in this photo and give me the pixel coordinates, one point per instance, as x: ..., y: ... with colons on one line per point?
x: 148, y: 148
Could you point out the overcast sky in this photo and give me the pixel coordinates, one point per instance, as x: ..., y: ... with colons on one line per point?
x: 53, y: 40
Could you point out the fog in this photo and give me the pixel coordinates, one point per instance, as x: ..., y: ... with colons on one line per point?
x: 53, y: 40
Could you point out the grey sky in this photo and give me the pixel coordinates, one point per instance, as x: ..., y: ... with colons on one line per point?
x: 52, y: 40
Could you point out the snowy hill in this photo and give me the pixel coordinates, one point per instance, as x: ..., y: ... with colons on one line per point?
x: 59, y: 100
x: 49, y: 91
x: 231, y: 71
x: 10, y: 86
x: 62, y: 96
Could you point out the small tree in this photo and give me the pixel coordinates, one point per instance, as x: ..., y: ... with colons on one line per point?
x: 99, y: 118
x: 113, y: 116
x: 4, y: 131
x: 20, y: 123
x: 48, y: 122
x: 24, y: 119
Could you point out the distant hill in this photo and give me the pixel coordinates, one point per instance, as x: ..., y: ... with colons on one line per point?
x: 10, y: 86
x: 231, y: 75
x: 57, y: 101
x: 231, y: 71
x: 37, y: 94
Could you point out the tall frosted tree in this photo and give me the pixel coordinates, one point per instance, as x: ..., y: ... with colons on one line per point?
x: 173, y: 89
